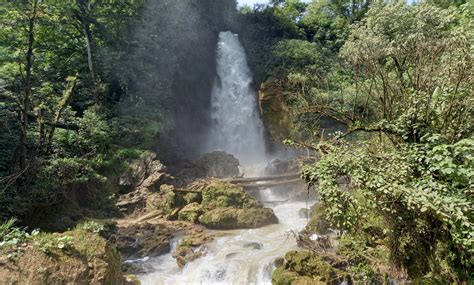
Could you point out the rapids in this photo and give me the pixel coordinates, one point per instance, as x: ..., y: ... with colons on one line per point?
x: 228, y: 261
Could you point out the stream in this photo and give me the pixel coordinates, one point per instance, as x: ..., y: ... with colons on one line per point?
x: 236, y: 256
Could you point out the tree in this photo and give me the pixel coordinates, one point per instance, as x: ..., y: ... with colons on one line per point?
x: 84, y: 16
x: 412, y: 66
x: 31, y: 16
x: 409, y: 58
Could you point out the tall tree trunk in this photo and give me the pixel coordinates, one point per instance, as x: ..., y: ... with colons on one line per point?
x: 67, y: 97
x: 85, y: 8
x: 25, y: 104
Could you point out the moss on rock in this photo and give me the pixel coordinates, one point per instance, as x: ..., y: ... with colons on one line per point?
x: 164, y: 201
x: 73, y: 257
x: 304, y: 267
x: 225, y: 206
x: 190, y: 213
x: 222, y: 194
x: 233, y: 218
x: 189, y: 249
x: 318, y: 222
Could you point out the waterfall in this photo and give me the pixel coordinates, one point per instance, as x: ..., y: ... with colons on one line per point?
x: 236, y: 124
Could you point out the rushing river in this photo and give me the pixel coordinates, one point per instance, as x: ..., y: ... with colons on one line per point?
x: 230, y: 259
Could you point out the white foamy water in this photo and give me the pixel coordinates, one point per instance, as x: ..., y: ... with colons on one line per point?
x: 244, y: 256
x: 236, y: 124
x: 228, y: 261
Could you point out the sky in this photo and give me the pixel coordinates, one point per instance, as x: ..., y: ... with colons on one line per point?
x: 252, y: 2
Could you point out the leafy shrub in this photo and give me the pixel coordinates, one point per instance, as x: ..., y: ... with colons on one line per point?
x: 424, y: 201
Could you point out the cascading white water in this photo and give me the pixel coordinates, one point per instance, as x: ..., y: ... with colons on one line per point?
x: 236, y: 124
x: 237, y: 129
x: 229, y: 259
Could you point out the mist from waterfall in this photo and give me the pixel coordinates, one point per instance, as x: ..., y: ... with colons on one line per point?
x: 236, y: 126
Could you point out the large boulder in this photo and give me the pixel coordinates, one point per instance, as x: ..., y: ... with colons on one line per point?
x: 227, y: 206
x: 234, y: 218
x: 165, y: 200
x: 143, y: 177
x: 219, y: 164
x: 141, y: 169
x: 73, y: 257
x: 144, y: 239
x: 222, y: 194
x: 216, y: 164
x: 304, y: 267
x: 190, y: 213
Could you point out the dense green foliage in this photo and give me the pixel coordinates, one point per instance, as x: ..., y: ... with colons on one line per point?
x: 58, y: 82
x: 80, y: 92
x: 399, y: 78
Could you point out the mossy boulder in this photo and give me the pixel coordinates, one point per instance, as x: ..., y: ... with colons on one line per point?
x: 304, y: 267
x: 234, y: 218
x: 165, y: 200
x: 222, y: 194
x: 225, y: 206
x: 318, y: 222
x: 190, y: 213
x: 73, y: 257
x: 189, y: 198
x: 190, y: 248
x: 219, y: 164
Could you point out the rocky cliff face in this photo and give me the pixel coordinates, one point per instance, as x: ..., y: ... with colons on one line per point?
x: 275, y: 112
x: 172, y: 69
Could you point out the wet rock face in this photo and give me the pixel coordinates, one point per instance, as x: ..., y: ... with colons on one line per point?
x: 318, y: 222
x: 141, y: 240
x: 280, y: 167
x: 145, y: 176
x: 219, y: 164
x: 275, y: 111
x: 216, y: 164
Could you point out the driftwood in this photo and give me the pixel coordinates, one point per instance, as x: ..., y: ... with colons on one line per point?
x: 250, y: 183
x: 262, y: 186
x: 187, y: 191
x: 264, y: 178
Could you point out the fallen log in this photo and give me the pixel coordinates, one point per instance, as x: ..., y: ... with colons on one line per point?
x: 187, y: 191
x: 262, y: 186
x: 264, y: 178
